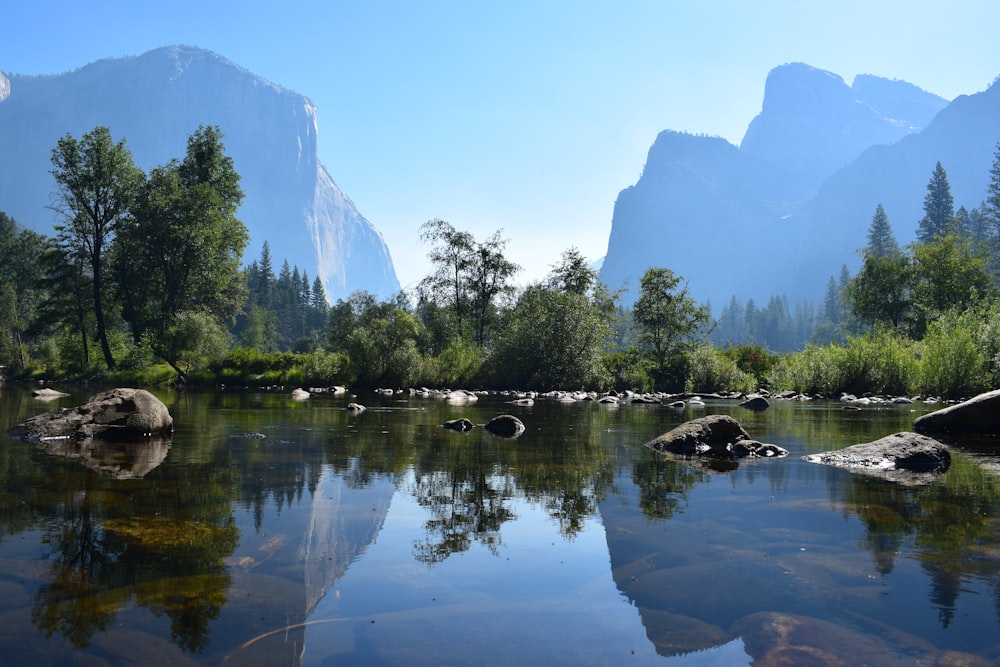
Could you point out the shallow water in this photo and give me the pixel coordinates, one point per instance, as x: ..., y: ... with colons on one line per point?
x: 383, y: 539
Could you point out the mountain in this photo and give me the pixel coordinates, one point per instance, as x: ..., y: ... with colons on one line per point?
x: 155, y: 101
x: 786, y: 209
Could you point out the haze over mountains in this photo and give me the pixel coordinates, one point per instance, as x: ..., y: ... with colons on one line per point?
x: 784, y: 211
x: 155, y: 101
x: 779, y: 214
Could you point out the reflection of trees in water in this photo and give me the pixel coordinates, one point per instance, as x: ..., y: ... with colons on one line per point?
x: 663, y: 484
x: 466, y: 494
x: 952, y: 523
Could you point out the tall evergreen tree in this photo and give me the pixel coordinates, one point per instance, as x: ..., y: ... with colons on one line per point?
x: 881, y: 241
x: 939, y: 208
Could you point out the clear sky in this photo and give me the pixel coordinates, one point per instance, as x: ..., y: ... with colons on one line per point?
x: 525, y: 116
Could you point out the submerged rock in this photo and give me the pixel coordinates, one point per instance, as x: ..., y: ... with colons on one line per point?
x: 118, y: 414
x: 977, y: 416
x: 901, y: 457
x: 507, y: 426
x: 461, y: 425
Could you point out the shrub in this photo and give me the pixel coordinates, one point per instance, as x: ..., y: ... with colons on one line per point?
x: 711, y: 369
x: 956, y: 360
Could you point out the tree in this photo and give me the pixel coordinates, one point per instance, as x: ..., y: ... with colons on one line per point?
x: 949, y: 273
x: 573, y: 274
x: 96, y: 183
x: 991, y: 214
x: 21, y: 252
x: 939, y: 208
x: 881, y: 241
x: 180, y: 250
x: 668, y: 320
x: 468, y: 278
x: 881, y: 292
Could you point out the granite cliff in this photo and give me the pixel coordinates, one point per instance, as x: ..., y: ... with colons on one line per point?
x: 159, y: 98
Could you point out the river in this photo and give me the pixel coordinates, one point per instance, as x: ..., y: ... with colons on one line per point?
x: 270, y: 531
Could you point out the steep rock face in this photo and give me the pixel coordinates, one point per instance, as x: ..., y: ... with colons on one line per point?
x: 155, y: 101
x: 761, y: 220
x: 813, y: 123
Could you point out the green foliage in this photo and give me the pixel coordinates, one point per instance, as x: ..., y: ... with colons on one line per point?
x: 880, y: 362
x: 459, y: 364
x: 881, y: 292
x: 712, y: 369
x: 814, y: 370
x: 668, y: 320
x: 939, y: 208
x: 552, y: 338
x: 959, y: 355
x: 179, y: 251
x: 468, y: 280
x: 628, y: 369
x: 96, y: 185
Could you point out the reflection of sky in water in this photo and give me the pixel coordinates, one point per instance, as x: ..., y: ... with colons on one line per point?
x: 541, y: 600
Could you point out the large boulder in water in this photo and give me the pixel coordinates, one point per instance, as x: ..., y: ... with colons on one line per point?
x: 977, y: 416
x: 701, y: 435
x: 908, y: 458
x: 117, y: 414
x: 718, y: 436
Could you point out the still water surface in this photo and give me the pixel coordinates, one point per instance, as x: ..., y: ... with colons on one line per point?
x: 383, y: 539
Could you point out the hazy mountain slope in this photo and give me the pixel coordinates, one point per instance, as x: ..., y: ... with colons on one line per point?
x: 791, y: 205
x: 155, y: 101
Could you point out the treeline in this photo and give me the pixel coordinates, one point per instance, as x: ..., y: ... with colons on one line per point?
x: 146, y: 285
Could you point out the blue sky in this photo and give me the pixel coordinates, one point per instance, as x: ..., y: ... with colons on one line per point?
x: 524, y: 116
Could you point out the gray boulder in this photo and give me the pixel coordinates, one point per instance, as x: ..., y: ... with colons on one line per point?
x: 977, y: 416
x: 901, y: 457
x: 118, y: 414
x: 714, y: 436
x: 755, y: 403
x: 507, y: 426
x: 700, y: 436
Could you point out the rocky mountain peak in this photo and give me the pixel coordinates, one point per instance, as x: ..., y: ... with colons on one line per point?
x: 4, y: 87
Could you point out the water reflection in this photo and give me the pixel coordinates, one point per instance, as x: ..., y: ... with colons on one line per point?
x: 243, y: 551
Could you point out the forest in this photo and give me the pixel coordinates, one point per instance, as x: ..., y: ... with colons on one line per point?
x: 143, y: 282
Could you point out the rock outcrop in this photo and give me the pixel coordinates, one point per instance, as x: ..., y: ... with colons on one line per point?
x: 715, y: 436
x: 979, y: 416
x: 908, y: 458
x: 155, y: 101
x: 117, y: 414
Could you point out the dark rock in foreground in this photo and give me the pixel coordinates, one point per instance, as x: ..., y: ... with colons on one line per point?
x: 977, y: 416
x: 118, y: 414
x: 901, y: 457
x: 507, y: 426
x: 713, y: 435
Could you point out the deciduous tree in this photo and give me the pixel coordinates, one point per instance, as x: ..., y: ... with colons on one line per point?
x: 96, y: 184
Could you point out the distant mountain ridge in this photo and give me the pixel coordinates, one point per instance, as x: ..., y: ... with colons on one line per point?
x: 784, y: 211
x: 155, y: 101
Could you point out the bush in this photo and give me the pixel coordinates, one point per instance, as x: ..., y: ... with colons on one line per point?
x: 711, y: 369
x: 957, y: 358
x: 816, y: 369
x: 880, y: 362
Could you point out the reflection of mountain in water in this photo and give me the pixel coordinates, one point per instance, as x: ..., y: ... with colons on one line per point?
x: 285, y: 566
x: 343, y: 522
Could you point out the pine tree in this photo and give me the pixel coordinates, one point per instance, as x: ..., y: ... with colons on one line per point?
x: 939, y: 208
x: 881, y: 241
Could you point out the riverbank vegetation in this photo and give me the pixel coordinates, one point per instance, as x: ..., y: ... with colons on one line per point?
x: 141, y: 284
